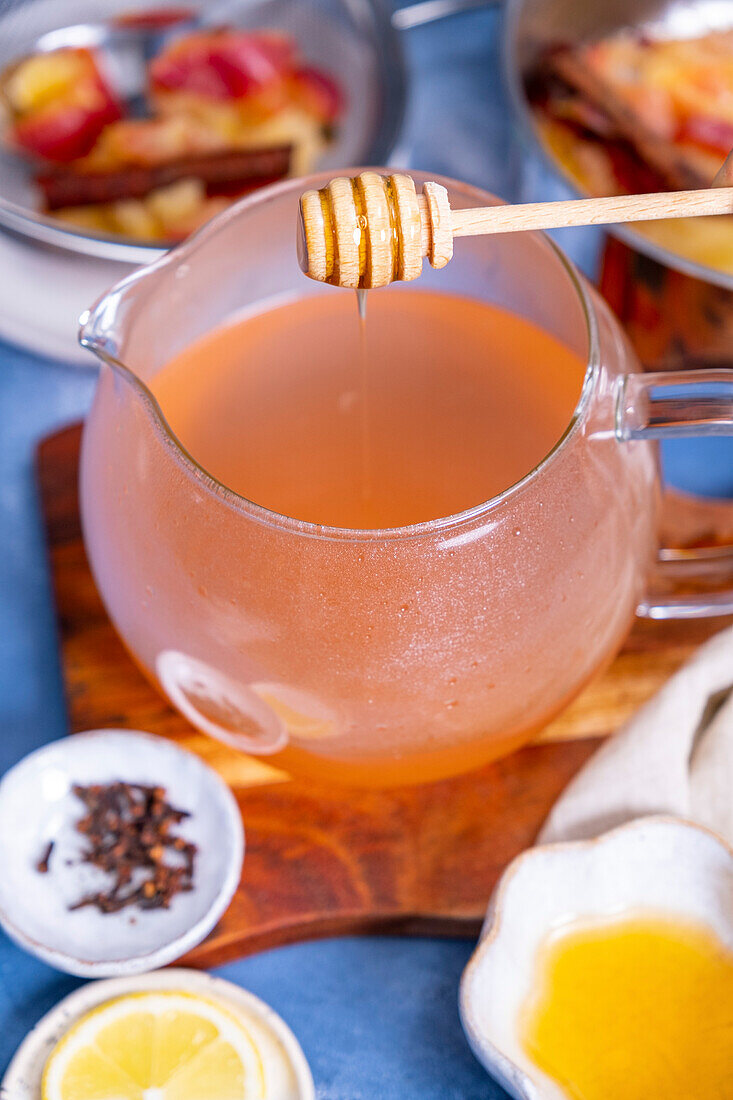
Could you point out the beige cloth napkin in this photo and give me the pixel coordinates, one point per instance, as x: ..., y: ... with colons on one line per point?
x: 674, y: 756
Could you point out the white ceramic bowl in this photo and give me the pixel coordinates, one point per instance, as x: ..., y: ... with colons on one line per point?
x: 287, y: 1074
x: 654, y: 864
x: 37, y: 805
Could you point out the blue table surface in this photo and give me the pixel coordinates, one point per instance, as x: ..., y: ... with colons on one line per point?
x: 377, y: 1017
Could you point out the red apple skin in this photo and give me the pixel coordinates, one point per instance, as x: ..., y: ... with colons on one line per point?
x: 64, y: 131
x: 714, y: 133
x: 317, y: 93
x: 68, y: 126
x: 225, y: 65
x: 154, y: 19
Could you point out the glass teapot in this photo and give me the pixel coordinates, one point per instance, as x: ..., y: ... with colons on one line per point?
x: 389, y: 656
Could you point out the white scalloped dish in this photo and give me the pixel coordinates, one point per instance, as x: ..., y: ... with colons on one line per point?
x: 656, y: 865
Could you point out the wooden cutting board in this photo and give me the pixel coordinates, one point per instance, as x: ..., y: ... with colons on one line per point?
x: 321, y: 861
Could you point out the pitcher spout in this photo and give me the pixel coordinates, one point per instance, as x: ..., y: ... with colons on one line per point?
x: 97, y: 337
x: 104, y: 329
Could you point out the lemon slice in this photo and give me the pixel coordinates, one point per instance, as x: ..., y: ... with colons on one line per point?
x: 156, y: 1046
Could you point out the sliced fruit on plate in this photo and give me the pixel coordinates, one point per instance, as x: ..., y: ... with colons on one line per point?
x: 317, y: 93
x: 222, y: 64
x: 167, y: 1045
x: 59, y: 102
x: 670, y: 100
x: 259, y: 72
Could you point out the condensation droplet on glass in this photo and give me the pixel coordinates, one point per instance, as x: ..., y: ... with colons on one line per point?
x: 517, y: 530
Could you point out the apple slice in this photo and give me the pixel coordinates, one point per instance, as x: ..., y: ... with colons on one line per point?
x: 317, y: 93
x: 223, y: 64
x: 62, y: 132
x: 60, y: 103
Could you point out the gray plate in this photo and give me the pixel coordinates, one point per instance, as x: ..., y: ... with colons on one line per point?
x: 354, y: 40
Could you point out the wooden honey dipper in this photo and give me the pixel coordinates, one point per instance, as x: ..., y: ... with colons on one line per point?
x: 371, y: 230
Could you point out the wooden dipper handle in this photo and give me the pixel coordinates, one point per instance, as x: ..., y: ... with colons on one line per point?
x: 368, y: 231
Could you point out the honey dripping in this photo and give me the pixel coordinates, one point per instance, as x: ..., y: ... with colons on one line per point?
x: 365, y: 232
x: 363, y: 386
x: 363, y: 248
x: 362, y: 357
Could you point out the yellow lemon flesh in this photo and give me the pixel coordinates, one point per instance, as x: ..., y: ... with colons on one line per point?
x: 156, y: 1046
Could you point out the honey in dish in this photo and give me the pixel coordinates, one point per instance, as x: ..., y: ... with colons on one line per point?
x: 434, y: 405
x: 636, y: 1009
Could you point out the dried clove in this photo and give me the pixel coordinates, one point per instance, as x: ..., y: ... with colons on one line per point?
x: 42, y: 865
x: 128, y: 829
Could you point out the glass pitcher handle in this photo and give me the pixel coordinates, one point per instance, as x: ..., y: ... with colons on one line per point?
x: 676, y: 405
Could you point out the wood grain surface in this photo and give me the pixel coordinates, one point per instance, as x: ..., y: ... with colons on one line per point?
x: 324, y: 860
x: 614, y: 210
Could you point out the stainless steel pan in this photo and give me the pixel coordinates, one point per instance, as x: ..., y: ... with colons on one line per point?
x: 531, y: 26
